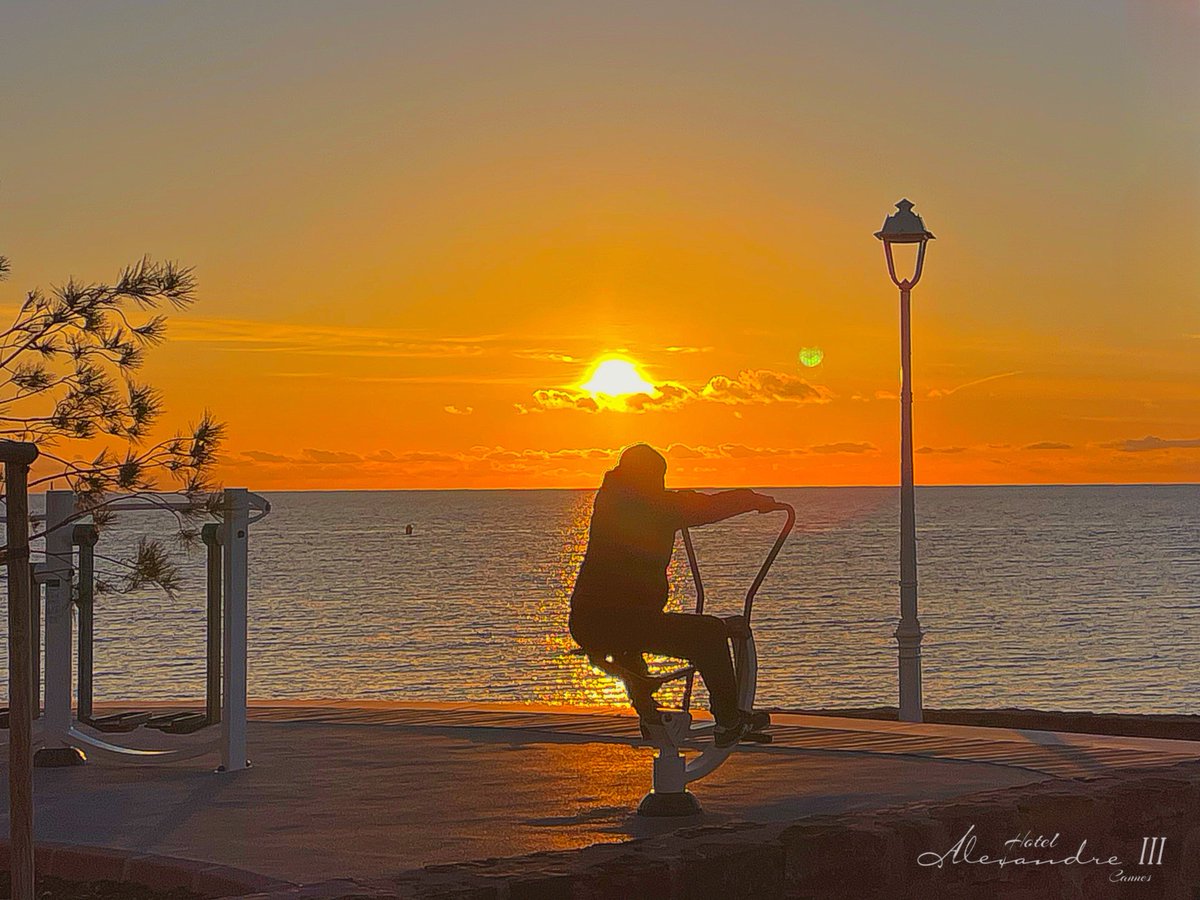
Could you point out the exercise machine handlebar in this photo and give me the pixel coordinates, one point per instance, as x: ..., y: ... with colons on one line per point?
x: 748, y: 604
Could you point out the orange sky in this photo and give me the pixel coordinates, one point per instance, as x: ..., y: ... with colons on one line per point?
x: 417, y: 229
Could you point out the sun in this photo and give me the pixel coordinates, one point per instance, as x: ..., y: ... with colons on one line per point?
x: 616, y: 378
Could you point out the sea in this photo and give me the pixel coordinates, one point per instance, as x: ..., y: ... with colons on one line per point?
x: 1048, y: 597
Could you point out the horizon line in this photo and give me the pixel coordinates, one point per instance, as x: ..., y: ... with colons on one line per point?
x: 363, y: 490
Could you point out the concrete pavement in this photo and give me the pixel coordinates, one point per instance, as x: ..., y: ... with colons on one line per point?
x: 370, y: 789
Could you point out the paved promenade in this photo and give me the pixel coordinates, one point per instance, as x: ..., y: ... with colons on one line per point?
x: 367, y: 789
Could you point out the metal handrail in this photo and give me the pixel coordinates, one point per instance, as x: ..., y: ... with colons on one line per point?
x: 748, y: 605
x: 166, y: 501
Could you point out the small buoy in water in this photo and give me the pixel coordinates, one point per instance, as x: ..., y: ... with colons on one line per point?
x: 408, y: 529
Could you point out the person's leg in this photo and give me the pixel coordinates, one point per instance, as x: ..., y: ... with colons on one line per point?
x: 604, y: 636
x: 641, y: 693
x: 703, y: 641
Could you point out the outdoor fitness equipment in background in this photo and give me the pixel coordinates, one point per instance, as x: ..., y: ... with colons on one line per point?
x: 674, y: 731
x: 85, y: 538
x: 63, y: 741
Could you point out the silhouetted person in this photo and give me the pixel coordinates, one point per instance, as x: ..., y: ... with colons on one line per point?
x: 617, y: 605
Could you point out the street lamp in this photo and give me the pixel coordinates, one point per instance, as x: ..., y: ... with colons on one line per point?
x: 905, y: 227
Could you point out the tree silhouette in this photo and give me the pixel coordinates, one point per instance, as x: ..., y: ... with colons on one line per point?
x: 68, y: 366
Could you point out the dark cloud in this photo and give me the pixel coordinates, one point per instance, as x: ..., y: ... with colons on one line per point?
x: 753, y: 386
x: 264, y: 457
x: 331, y: 456
x: 1152, y: 442
x: 749, y: 387
x: 1047, y: 445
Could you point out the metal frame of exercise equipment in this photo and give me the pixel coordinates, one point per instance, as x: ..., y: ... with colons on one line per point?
x: 674, y: 731
x: 62, y: 740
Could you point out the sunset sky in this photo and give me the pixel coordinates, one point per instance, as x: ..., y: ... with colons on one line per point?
x: 419, y: 227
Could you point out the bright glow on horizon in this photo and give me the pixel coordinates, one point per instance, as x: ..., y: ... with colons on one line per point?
x: 616, y: 378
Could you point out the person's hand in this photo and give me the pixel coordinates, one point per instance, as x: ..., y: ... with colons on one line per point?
x: 765, y: 504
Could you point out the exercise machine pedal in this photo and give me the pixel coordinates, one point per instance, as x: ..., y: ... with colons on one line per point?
x: 178, y: 722
x: 117, y: 723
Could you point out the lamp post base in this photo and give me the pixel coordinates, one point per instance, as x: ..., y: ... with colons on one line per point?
x: 908, y: 640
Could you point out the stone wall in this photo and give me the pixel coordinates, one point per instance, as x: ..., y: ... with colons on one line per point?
x: 862, y: 856
x: 71, y: 862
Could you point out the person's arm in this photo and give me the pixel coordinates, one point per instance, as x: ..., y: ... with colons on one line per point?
x: 703, y: 509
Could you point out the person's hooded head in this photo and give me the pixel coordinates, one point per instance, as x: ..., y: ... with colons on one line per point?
x: 641, y: 468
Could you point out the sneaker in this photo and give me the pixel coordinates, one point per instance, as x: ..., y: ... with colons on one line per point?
x: 728, y: 735
x: 759, y: 720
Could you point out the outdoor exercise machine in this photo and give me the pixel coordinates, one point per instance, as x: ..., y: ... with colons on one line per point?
x: 66, y: 739
x: 85, y: 537
x: 672, y: 731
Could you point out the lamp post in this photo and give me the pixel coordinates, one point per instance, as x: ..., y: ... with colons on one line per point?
x: 905, y: 227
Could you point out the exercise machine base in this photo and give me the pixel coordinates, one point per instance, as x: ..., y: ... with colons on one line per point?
x: 683, y: 803
x: 58, y: 757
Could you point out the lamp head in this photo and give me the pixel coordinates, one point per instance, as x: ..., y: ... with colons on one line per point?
x: 904, y: 227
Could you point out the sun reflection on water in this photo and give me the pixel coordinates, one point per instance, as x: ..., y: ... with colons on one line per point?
x: 579, y: 683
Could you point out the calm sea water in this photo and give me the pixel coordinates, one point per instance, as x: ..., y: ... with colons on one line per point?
x: 1052, y: 597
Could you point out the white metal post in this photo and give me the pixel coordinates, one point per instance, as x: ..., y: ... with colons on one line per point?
x: 60, y: 505
x: 670, y: 772
x: 234, y: 540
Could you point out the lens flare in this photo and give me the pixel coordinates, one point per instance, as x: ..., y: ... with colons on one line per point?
x: 811, y: 356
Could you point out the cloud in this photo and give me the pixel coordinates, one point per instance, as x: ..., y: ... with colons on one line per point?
x: 544, y: 355
x: 427, y: 456
x: 578, y: 465
x: 1047, y: 445
x: 310, y: 457
x: 748, y: 388
x: 402, y: 379
x: 558, y: 398
x: 263, y: 456
x: 1152, y: 442
x: 941, y: 449
x: 249, y: 336
x: 459, y: 410
x: 407, y: 458
x: 331, y: 456
x: 938, y: 393
x: 729, y: 451
x: 752, y: 386
x: 741, y: 451
x: 844, y: 447
x: 667, y: 396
